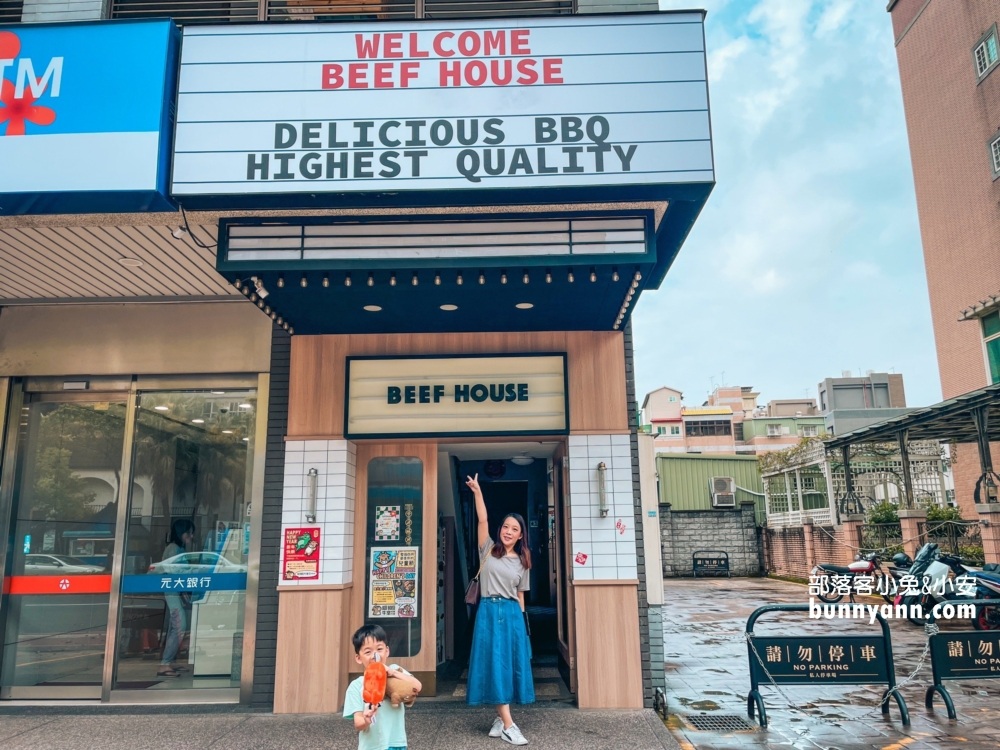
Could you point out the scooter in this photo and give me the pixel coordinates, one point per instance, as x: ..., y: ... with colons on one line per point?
x: 987, y: 587
x: 932, y: 574
x: 832, y: 582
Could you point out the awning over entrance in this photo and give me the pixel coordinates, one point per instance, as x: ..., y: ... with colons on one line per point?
x: 578, y: 267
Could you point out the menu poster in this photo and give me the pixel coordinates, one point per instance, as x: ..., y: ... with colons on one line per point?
x: 300, y: 553
x: 392, y: 582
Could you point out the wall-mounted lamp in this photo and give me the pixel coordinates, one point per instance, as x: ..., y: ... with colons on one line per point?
x: 602, y: 489
x: 312, y: 485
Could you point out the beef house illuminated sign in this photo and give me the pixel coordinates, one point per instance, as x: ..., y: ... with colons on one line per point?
x: 460, y: 395
x: 554, y: 102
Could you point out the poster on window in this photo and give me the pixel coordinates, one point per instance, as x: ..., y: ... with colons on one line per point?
x: 392, y: 582
x: 387, y: 523
x: 300, y: 553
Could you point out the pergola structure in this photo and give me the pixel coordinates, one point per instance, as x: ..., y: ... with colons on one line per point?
x: 973, y: 417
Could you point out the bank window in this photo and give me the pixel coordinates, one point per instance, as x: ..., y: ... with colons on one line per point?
x: 661, y: 430
x: 675, y: 430
x: 673, y: 398
x: 991, y: 337
x: 809, y: 430
x: 709, y: 428
x: 986, y: 54
x: 393, y: 576
x: 995, y: 156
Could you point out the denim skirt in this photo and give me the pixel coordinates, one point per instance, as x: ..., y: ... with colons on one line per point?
x: 500, y: 662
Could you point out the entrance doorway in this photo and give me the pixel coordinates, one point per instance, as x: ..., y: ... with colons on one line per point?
x: 125, y: 514
x: 516, y: 478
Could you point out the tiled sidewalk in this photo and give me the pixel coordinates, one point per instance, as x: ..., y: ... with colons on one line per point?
x: 708, y: 675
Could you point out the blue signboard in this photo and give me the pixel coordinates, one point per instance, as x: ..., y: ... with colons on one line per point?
x: 85, y: 116
x: 183, y: 583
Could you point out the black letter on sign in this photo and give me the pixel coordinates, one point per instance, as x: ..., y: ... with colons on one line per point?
x: 522, y: 391
x: 480, y: 393
x: 284, y: 135
x: 461, y: 393
x: 394, y: 395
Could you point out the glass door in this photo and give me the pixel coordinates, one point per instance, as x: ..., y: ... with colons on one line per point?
x: 64, y: 496
x: 187, y: 542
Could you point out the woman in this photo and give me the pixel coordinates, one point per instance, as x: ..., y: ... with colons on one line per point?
x: 500, y: 664
x: 181, y: 536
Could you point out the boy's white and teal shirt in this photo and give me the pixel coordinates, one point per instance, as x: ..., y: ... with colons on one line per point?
x: 389, y: 729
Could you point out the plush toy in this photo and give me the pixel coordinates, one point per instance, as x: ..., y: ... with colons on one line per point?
x: 400, y: 691
x: 373, y: 689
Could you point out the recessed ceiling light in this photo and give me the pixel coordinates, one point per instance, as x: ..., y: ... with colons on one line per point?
x: 218, y: 393
x: 198, y: 421
x: 524, y: 305
x: 162, y: 408
x: 449, y: 308
x: 246, y: 440
x: 130, y: 262
x: 373, y: 308
x: 246, y: 406
x: 227, y: 432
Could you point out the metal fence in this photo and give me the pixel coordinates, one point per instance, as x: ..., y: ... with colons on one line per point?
x: 962, y: 538
x: 880, y: 536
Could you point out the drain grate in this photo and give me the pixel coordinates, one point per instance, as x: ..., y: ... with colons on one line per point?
x: 719, y: 723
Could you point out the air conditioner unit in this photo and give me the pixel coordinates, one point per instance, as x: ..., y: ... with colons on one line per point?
x: 723, y: 492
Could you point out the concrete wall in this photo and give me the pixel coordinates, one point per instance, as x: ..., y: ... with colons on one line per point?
x: 731, y: 531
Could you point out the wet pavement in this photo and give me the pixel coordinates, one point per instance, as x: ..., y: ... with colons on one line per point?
x: 708, y: 679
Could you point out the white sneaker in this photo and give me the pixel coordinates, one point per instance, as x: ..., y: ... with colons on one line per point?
x: 497, y: 727
x: 513, y: 735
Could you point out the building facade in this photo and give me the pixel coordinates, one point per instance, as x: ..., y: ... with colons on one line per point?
x: 267, y: 309
x: 948, y: 59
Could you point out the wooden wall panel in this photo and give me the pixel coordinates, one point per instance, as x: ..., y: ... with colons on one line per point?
x: 607, y: 646
x: 596, y: 362
x: 426, y: 658
x: 310, y: 675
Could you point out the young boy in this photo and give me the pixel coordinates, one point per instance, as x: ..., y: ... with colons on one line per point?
x: 381, y: 727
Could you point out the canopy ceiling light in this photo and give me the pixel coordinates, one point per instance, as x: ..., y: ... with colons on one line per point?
x: 522, y: 460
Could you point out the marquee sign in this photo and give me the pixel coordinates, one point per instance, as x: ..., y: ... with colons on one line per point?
x: 453, y: 396
x: 409, y: 106
x: 84, y: 116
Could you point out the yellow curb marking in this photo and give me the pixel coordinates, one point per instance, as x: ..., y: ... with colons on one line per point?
x: 900, y: 745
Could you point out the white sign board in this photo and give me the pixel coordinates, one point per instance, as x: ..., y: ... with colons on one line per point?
x: 445, y: 105
x: 461, y: 395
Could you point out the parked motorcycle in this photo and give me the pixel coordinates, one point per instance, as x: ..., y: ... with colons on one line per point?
x: 933, y: 574
x: 987, y: 587
x: 827, y: 577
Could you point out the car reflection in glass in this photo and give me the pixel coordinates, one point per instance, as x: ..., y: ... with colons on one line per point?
x: 201, y: 563
x: 38, y: 564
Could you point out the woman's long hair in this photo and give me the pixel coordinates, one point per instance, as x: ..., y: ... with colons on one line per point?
x: 521, y: 546
x: 178, y: 529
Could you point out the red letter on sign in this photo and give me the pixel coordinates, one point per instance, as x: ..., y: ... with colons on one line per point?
x: 519, y: 42
x: 333, y: 76
x: 408, y: 72
x: 393, y: 44
x: 367, y: 47
x: 552, y: 70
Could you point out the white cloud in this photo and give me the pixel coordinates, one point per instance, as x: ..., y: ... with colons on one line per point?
x: 806, y: 259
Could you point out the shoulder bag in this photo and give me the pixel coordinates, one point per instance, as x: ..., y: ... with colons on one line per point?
x: 472, y: 592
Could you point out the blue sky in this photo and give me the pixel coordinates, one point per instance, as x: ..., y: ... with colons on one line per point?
x: 806, y: 260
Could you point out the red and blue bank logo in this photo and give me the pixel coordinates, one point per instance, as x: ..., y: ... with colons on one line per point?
x: 21, y: 87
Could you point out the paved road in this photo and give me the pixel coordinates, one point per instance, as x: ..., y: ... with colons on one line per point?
x: 708, y: 675
x: 437, y: 726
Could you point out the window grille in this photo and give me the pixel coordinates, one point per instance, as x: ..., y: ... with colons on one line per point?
x: 986, y: 53
x: 10, y: 11
x: 241, y: 11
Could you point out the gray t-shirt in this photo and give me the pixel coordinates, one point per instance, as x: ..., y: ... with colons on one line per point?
x: 503, y: 576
